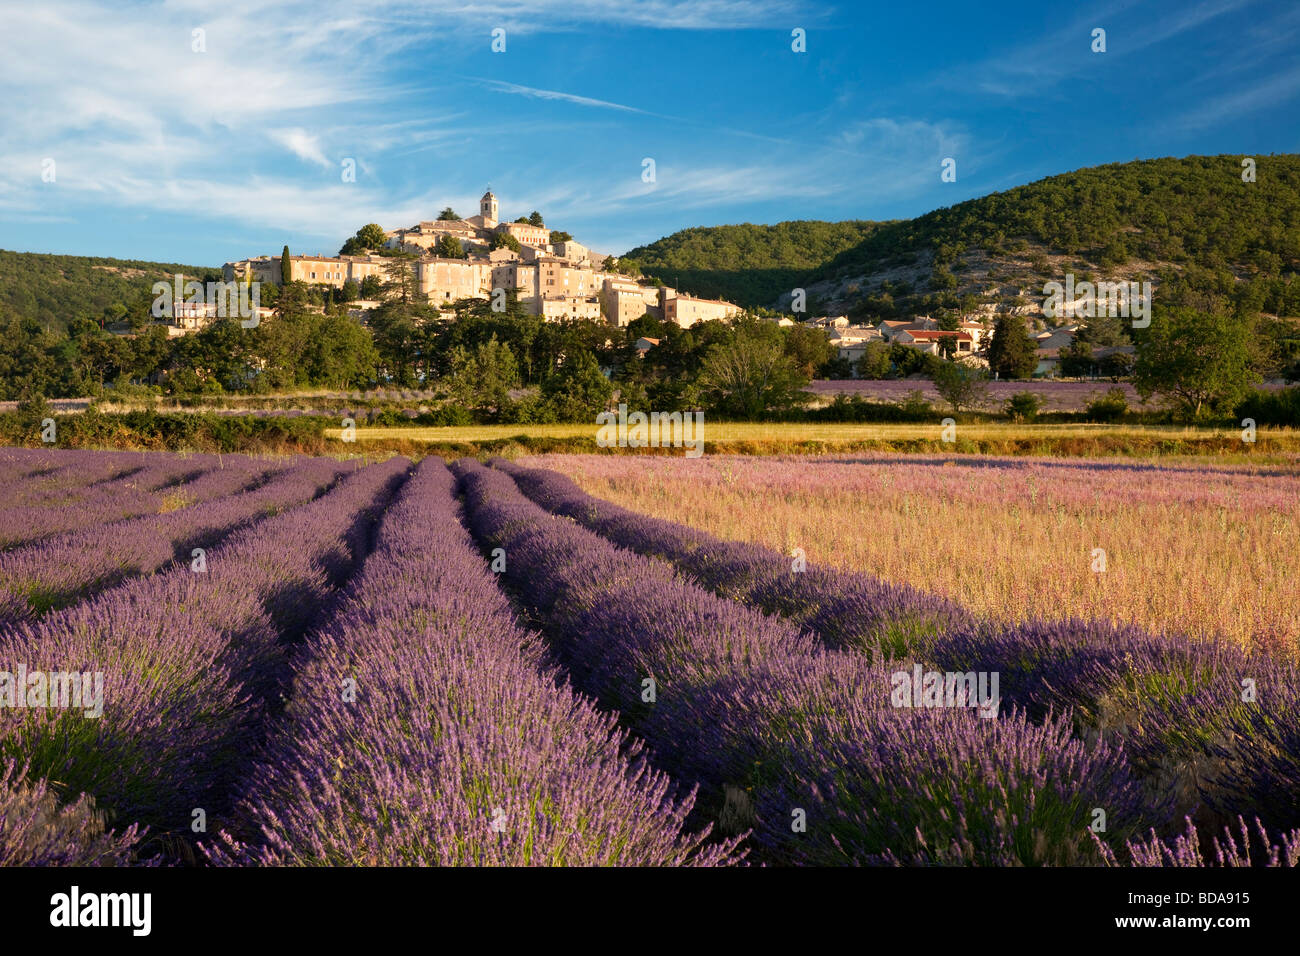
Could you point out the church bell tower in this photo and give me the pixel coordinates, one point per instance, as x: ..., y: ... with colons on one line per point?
x: 488, y: 209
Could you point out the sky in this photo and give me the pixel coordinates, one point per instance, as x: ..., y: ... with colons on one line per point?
x: 206, y: 132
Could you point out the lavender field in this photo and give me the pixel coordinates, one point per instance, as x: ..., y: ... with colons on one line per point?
x: 1055, y: 396
x: 232, y: 661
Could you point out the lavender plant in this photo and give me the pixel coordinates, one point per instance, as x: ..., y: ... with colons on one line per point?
x: 459, y: 744
x: 189, y: 661
x: 779, y: 729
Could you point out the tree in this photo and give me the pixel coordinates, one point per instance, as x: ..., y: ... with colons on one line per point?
x: 399, y: 280
x: 448, y: 215
x: 449, y: 247
x: 25, y: 360
x: 577, y: 391
x: 535, y: 218
x: 751, y: 375
x: 286, y: 267
x: 370, y: 287
x: 961, y: 386
x: 1023, y: 406
x: 482, y: 380
x: 948, y: 322
x: 1103, y: 331
x: 558, y: 235
x: 810, y: 348
x: 1116, y: 365
x: 1012, y: 353
x: 368, y: 237
x: 396, y: 340
x: 874, y: 362
x: 1200, y: 361
x: 503, y: 240
x: 1076, y: 359
x: 341, y: 354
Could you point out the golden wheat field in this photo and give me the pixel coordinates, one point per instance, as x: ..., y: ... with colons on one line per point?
x: 1204, y: 549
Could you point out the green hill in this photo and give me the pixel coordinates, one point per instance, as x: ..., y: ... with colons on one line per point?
x: 1190, y: 223
x: 747, y: 264
x: 55, y: 289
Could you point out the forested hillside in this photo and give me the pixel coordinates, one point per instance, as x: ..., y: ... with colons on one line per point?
x: 1192, y: 223
x: 747, y: 264
x: 56, y: 289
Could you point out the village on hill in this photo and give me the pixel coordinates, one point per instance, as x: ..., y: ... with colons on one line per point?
x: 552, y: 275
x: 557, y: 278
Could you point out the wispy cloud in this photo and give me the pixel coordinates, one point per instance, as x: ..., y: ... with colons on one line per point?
x: 1273, y: 91
x: 302, y: 144
x: 1130, y: 29
x: 502, y: 87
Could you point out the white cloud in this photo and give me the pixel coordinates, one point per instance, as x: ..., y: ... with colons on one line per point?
x: 302, y: 144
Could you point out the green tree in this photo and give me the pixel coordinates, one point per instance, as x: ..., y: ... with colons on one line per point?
x: 961, y: 386
x: 810, y: 348
x: 1076, y: 359
x: 447, y: 215
x: 1199, y: 361
x: 397, y: 339
x: 1012, y: 353
x: 751, y: 375
x: 1023, y: 406
x: 577, y: 390
x: 449, y: 247
x: 481, y: 380
x: 503, y: 240
x: 341, y: 354
x: 535, y: 218
x: 1103, y: 331
x: 26, y: 363
x: 558, y: 235
x: 368, y: 237
x: 874, y: 362
x: 286, y: 266
x: 399, y: 280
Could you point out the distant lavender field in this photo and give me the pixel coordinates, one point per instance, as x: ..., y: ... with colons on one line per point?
x: 1056, y: 396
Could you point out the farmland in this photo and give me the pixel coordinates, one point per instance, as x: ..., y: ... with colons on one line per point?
x: 1271, y: 445
x: 244, y: 661
x: 1200, y: 548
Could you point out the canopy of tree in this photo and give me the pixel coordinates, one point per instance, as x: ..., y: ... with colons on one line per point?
x: 368, y: 237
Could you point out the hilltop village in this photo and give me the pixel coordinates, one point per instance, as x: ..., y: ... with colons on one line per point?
x: 553, y: 276
x: 452, y: 259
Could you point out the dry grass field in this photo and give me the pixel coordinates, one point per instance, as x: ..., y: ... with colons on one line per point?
x: 1204, y: 549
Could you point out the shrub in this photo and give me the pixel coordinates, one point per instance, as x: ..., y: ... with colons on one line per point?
x: 1272, y: 408
x: 1023, y: 406
x: 1111, y: 407
x: 916, y: 407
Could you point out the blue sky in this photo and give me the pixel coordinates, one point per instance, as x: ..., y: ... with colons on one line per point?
x: 162, y: 152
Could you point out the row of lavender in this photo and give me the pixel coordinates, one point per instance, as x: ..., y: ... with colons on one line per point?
x: 190, y: 664
x: 844, y: 610
x: 1206, y: 730
x: 51, y: 491
x: 787, y: 737
x: 425, y: 727
x: 57, y: 570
